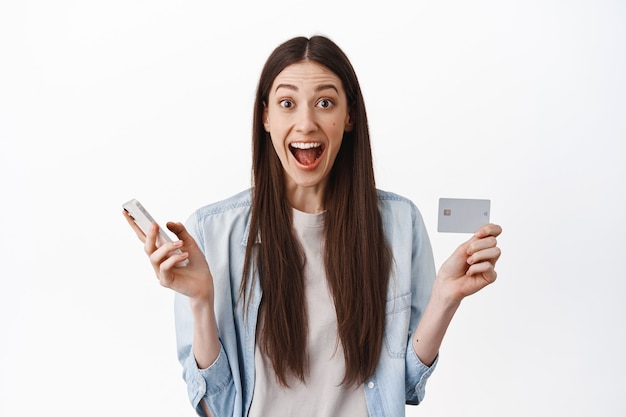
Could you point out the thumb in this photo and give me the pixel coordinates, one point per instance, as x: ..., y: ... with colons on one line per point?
x: 179, y: 230
x: 189, y: 243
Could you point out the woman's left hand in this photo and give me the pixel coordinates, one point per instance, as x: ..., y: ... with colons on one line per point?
x: 472, y: 265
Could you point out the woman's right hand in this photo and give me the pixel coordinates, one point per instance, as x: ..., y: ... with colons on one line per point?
x: 193, y: 280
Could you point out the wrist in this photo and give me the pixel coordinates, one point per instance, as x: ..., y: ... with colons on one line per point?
x: 443, y: 296
x: 200, y: 307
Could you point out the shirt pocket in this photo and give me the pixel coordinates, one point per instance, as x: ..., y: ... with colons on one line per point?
x: 397, y: 319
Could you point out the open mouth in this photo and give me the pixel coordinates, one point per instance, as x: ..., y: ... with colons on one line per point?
x: 306, y: 153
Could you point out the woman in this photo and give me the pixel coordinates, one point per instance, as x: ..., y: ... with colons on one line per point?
x: 313, y: 293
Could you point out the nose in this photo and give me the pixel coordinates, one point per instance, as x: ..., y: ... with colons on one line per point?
x: 306, y: 122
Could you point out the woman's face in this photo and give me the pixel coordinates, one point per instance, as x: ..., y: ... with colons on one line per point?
x: 306, y: 116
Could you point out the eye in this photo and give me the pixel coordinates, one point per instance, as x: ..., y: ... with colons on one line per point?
x: 285, y: 103
x: 325, y: 103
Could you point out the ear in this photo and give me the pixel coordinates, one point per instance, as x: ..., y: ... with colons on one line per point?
x: 266, y: 120
x: 349, y: 125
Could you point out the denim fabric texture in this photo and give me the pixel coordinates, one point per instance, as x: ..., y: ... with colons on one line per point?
x: 221, y: 231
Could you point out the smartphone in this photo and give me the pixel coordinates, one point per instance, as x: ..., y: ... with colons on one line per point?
x: 462, y: 215
x: 143, y: 219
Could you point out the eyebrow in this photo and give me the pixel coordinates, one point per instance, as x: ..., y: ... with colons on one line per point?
x: 317, y: 89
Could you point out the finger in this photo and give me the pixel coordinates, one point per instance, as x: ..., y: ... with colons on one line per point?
x: 488, y: 230
x: 490, y: 255
x: 164, y: 252
x: 150, y: 243
x: 179, y: 230
x: 476, y: 244
x: 140, y: 234
x: 169, y: 266
x: 165, y: 260
x: 485, y: 270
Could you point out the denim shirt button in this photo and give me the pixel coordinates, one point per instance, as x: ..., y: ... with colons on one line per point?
x: 370, y: 385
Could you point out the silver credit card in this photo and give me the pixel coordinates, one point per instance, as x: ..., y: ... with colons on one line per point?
x: 462, y: 215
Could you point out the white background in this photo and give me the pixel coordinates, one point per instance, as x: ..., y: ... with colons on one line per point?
x: 522, y: 102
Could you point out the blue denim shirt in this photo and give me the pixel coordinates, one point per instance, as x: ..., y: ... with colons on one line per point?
x: 221, y: 231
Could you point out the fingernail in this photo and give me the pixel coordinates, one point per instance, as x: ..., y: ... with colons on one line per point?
x: 178, y: 243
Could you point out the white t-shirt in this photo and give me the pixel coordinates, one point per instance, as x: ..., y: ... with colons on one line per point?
x: 322, y: 395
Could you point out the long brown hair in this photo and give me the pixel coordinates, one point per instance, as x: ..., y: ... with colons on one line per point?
x: 357, y: 257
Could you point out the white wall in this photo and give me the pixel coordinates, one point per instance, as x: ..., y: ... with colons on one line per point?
x: 521, y: 102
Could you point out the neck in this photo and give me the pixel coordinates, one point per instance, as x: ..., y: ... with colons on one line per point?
x: 306, y: 199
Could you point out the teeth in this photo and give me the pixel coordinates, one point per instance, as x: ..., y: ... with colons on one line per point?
x: 307, y: 145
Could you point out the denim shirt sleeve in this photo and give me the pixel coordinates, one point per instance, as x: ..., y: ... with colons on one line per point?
x: 214, y: 384
x: 400, y: 376
x: 417, y: 375
x: 423, y: 274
